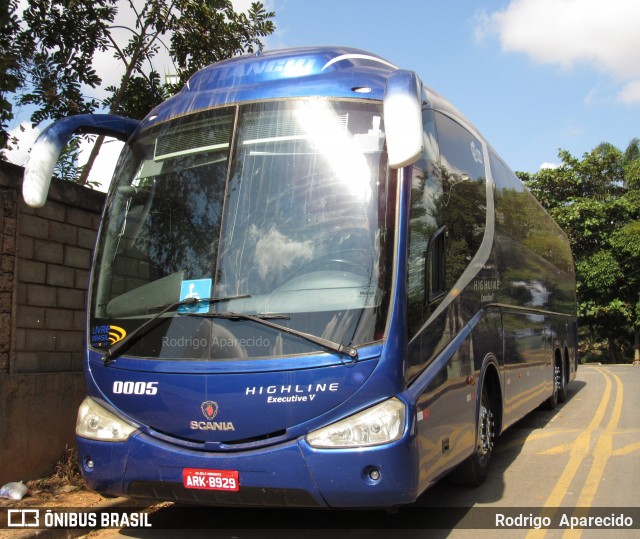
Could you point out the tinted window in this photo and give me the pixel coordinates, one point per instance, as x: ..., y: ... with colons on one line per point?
x: 424, y: 219
x: 464, y: 194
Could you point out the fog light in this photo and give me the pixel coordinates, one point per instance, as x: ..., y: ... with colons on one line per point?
x: 374, y: 474
x: 89, y: 464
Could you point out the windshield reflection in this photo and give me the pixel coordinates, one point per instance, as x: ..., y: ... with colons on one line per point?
x: 289, y: 215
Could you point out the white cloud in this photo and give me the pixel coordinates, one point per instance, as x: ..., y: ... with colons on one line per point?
x: 566, y: 33
x: 26, y: 136
x: 109, y: 68
x: 105, y: 163
x: 550, y: 166
x: 630, y: 93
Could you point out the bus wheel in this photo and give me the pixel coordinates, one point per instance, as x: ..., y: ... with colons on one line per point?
x: 558, y: 386
x: 560, y: 380
x: 474, y: 470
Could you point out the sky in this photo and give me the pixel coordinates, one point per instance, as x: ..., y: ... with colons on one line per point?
x: 534, y: 76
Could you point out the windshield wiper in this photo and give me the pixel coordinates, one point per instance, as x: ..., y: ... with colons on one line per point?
x: 119, y: 347
x: 263, y: 319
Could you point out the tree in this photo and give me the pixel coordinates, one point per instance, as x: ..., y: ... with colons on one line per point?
x: 10, y: 73
x: 57, y: 47
x: 626, y: 241
x: 632, y: 153
x: 198, y: 28
x: 56, y: 42
x: 596, y: 200
x: 201, y: 32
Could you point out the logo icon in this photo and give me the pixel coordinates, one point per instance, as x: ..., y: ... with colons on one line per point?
x: 209, y: 409
x: 116, y: 334
x: 477, y: 154
x: 106, y: 335
x: 23, y: 518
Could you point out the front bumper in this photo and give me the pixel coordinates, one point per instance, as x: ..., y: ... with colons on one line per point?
x: 290, y: 474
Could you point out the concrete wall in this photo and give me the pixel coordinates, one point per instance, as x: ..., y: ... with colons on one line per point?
x: 44, y: 273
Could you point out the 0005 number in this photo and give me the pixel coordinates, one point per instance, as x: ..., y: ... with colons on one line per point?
x: 135, y: 388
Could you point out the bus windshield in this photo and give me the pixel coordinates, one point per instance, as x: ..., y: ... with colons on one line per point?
x: 274, y: 209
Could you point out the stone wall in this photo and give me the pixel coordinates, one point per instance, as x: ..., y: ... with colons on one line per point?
x: 44, y: 273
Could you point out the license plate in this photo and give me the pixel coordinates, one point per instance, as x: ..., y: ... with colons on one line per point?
x: 211, y: 479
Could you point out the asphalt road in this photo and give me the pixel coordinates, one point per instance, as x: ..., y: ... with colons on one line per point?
x: 584, y: 454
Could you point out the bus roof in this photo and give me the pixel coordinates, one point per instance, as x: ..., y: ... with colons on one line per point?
x: 340, y: 72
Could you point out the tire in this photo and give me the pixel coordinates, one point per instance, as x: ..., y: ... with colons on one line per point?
x: 558, y: 387
x: 552, y: 401
x: 474, y: 470
x: 562, y: 383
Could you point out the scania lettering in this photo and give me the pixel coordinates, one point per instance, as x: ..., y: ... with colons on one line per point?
x: 317, y: 249
x: 212, y: 425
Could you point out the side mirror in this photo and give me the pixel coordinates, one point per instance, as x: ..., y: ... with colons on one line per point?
x: 402, y: 106
x: 49, y: 144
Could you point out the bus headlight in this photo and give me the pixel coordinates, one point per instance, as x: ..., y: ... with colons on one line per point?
x: 380, y: 424
x: 96, y: 423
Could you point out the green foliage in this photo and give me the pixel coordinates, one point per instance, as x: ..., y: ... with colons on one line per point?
x: 66, y: 167
x: 47, y: 56
x: 596, y: 200
x: 10, y: 73
x: 201, y: 32
x: 58, y: 45
x: 598, y: 273
x: 632, y: 174
x: 209, y: 31
x: 141, y: 94
x: 632, y: 153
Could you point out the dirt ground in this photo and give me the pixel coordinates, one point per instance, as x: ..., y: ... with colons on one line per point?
x: 64, y: 496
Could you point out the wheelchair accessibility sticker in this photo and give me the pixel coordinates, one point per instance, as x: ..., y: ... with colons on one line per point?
x: 198, y: 289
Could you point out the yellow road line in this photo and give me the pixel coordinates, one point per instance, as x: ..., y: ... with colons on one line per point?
x: 534, y: 436
x: 597, y: 419
x: 579, y: 451
x: 626, y: 450
x: 617, y: 408
x: 601, y: 454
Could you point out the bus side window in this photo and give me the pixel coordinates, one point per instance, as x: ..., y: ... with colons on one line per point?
x: 464, y: 200
x: 425, y: 219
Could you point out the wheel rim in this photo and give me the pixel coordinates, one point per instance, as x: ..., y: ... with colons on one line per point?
x: 559, y: 380
x: 486, y: 432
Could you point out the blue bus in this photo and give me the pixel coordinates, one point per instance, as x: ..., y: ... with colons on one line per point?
x: 315, y: 284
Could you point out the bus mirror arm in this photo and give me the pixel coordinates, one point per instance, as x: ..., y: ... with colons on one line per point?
x: 402, y: 109
x: 49, y: 145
